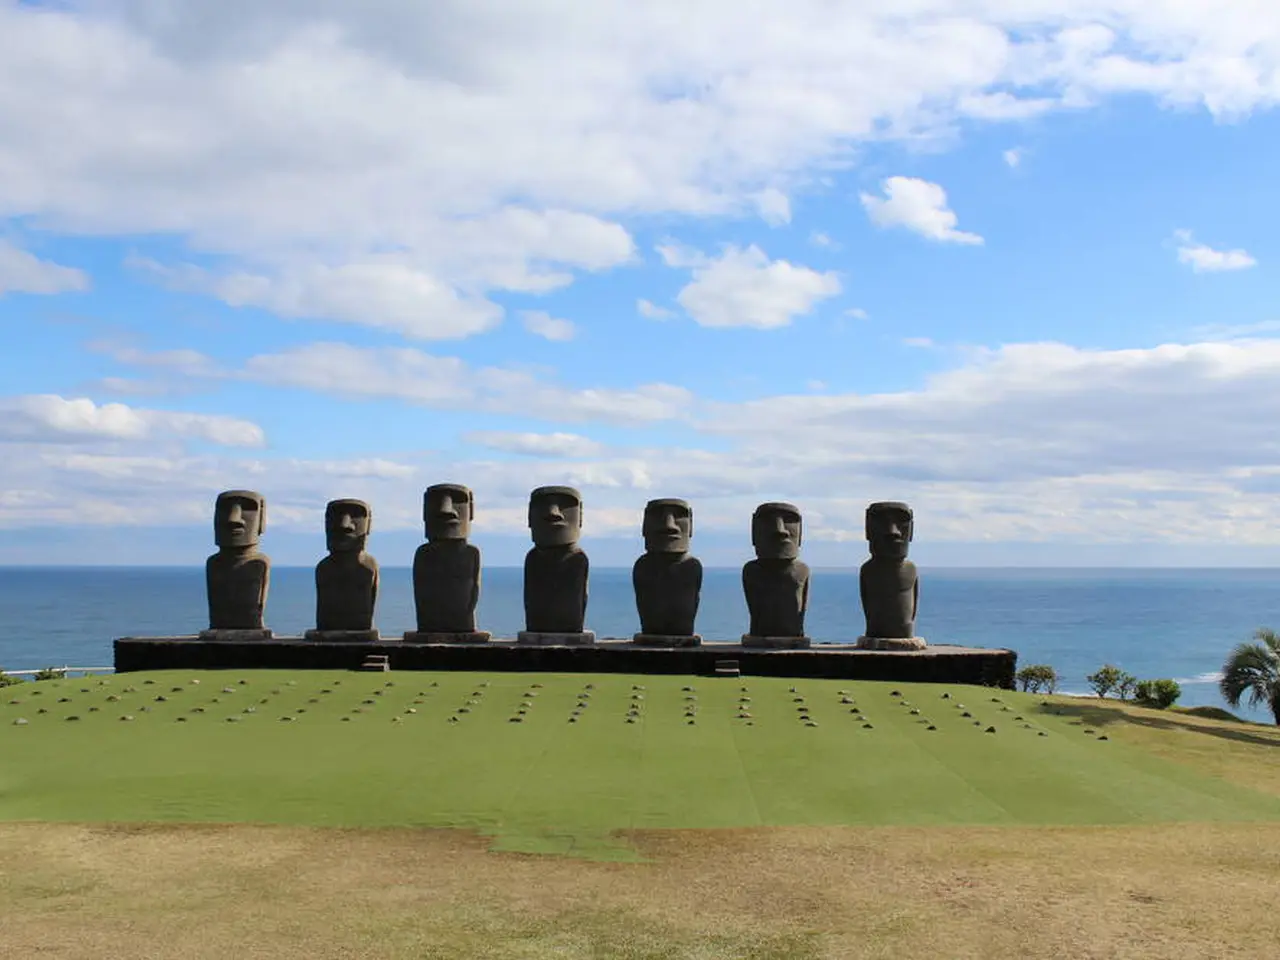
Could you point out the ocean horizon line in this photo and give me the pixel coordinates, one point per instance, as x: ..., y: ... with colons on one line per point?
x: 813, y: 567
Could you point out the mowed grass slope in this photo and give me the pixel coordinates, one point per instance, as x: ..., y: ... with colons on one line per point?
x: 570, y: 763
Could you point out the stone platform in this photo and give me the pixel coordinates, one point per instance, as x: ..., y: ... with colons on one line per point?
x: 938, y: 663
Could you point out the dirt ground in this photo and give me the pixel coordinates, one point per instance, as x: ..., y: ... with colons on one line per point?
x: 179, y: 892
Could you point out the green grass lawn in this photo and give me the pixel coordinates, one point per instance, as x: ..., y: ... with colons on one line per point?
x: 443, y: 750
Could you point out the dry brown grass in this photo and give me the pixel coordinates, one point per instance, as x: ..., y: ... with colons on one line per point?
x: 249, y: 892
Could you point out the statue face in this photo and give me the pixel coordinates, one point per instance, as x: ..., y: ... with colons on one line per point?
x: 889, y: 529
x: 239, y: 517
x: 776, y: 531
x: 668, y: 526
x: 447, y: 511
x: 346, y: 525
x: 555, y: 516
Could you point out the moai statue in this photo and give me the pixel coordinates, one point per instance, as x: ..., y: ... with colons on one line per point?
x: 237, y: 576
x: 666, y: 578
x: 555, y: 570
x: 347, y: 579
x: 888, y: 582
x: 446, y: 569
x: 776, y: 583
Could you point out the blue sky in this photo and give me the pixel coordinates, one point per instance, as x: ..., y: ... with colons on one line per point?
x: 1010, y: 262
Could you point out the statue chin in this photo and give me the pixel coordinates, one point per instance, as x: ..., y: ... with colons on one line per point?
x: 555, y: 538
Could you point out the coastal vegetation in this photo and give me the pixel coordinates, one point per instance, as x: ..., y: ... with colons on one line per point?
x: 1037, y: 678
x: 1252, y: 671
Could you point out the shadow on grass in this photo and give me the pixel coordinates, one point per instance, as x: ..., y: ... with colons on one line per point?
x: 1099, y: 716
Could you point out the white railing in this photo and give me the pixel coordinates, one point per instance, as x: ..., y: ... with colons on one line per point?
x: 65, y: 671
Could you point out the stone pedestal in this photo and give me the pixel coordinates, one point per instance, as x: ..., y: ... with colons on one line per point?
x: 534, y: 638
x: 462, y: 636
x: 776, y: 643
x: 663, y: 640
x: 235, y: 636
x: 343, y: 636
x: 891, y: 643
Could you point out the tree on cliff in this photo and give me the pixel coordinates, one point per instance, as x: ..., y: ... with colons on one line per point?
x: 1254, y: 669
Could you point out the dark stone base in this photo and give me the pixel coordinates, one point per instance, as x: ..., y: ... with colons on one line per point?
x: 937, y: 664
x: 540, y: 639
x: 234, y: 636
x: 776, y: 643
x: 462, y: 636
x: 663, y: 640
x: 891, y: 643
x: 342, y: 636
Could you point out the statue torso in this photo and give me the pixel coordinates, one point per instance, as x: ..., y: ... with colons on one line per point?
x: 555, y: 589
x: 346, y: 590
x: 237, y: 587
x: 888, y: 589
x: 667, y: 588
x: 446, y: 586
x: 777, y: 593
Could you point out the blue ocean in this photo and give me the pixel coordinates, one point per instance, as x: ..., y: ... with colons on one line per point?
x: 1177, y: 623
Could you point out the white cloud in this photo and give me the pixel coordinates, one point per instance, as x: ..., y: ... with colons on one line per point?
x: 823, y: 241
x: 647, y: 308
x: 550, y: 445
x: 50, y: 418
x: 303, y: 143
x: 774, y: 207
x: 857, y: 313
x: 744, y: 288
x: 386, y: 295
x: 917, y: 342
x: 23, y: 272
x: 916, y: 205
x: 1013, y: 156
x: 450, y: 383
x: 1204, y: 259
x: 542, y: 324
x: 1036, y: 442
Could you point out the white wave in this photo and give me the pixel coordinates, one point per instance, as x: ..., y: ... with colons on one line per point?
x: 1199, y: 678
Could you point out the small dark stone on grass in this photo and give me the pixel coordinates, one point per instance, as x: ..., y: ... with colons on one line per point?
x: 290, y: 719
x: 516, y: 719
x: 68, y: 699
x: 966, y: 714
x: 895, y: 693
x: 990, y: 730
x: 1104, y: 737
x: 946, y: 696
x: 867, y: 726
x: 181, y: 720
x: 931, y: 727
x: 1043, y: 734
x: 127, y: 716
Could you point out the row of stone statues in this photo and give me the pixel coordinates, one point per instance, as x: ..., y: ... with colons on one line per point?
x: 667, y: 578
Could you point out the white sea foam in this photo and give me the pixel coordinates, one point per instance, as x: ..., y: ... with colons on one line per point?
x: 1199, y: 678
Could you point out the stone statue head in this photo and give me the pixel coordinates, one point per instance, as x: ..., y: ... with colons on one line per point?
x: 890, y: 526
x: 346, y: 525
x: 555, y: 516
x: 447, y: 511
x: 668, y: 526
x: 776, y: 531
x: 239, y: 517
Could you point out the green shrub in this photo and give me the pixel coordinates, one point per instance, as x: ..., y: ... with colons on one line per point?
x: 1037, y: 678
x: 8, y: 681
x: 49, y: 673
x: 1160, y: 694
x: 1111, y: 679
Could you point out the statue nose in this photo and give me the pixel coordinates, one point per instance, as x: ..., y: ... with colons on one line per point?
x: 781, y: 528
x: 234, y: 517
